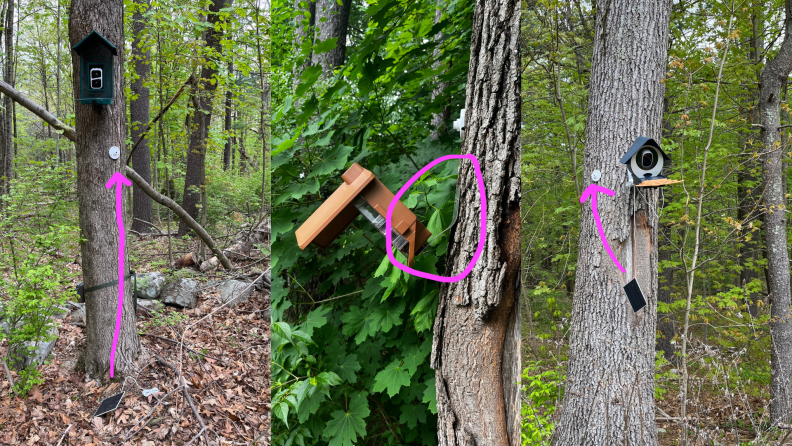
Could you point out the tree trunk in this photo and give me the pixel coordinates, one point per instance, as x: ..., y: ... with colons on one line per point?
x: 609, y: 392
x: 7, y: 144
x: 439, y: 119
x: 304, y: 31
x: 332, y: 21
x: 196, y: 153
x: 98, y: 128
x: 770, y: 83
x: 475, y: 351
x: 139, y: 115
x: 227, y: 128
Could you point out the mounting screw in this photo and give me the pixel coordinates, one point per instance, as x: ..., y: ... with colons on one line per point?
x: 595, y: 176
x: 115, y: 152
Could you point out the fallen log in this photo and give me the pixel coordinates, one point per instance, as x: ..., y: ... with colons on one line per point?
x: 178, y: 210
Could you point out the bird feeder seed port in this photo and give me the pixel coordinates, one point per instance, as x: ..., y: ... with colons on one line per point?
x: 362, y: 193
x: 96, y: 69
x: 645, y: 161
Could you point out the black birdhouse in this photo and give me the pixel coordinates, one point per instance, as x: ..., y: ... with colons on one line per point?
x: 96, y: 69
x: 645, y: 161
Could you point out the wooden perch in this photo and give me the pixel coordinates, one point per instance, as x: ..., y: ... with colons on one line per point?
x: 38, y: 110
x: 189, y: 221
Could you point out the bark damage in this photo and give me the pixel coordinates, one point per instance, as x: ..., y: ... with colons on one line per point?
x: 476, y: 390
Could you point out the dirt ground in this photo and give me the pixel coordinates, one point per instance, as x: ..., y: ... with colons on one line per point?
x: 229, y: 386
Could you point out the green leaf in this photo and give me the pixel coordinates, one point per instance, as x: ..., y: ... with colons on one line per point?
x: 386, y: 317
x: 344, y: 428
x: 392, y: 378
x: 412, y: 415
x: 309, y: 78
x: 326, y: 46
x: 281, y: 410
x: 332, y: 159
x: 430, y: 394
x: 282, y: 221
x: 297, y: 190
x: 315, y: 319
x: 347, y: 368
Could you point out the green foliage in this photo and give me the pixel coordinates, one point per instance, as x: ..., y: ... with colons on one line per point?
x: 346, y: 322
x: 34, y: 277
x: 542, y: 393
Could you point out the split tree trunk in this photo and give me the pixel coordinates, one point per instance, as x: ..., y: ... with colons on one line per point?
x: 332, y: 20
x: 139, y: 115
x: 204, y: 91
x: 476, y: 333
x: 98, y: 128
x: 609, y: 392
x: 770, y: 83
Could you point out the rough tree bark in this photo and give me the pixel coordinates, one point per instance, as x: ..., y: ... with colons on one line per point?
x: 609, y: 392
x: 142, y: 207
x: 204, y: 92
x: 439, y: 119
x: 332, y: 21
x: 475, y: 351
x: 98, y: 128
x: 303, y: 31
x: 770, y: 83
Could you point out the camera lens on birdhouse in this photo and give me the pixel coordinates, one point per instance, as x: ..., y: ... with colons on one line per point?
x: 647, y: 158
x: 96, y: 78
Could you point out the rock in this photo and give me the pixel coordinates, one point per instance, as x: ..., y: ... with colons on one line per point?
x: 181, y: 292
x: 149, y: 285
x: 234, y: 290
x: 32, y: 353
x: 150, y: 305
x: 660, y: 430
x: 267, y: 314
x: 78, y: 313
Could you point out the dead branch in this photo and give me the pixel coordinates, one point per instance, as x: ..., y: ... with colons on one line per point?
x: 178, y: 210
x: 144, y: 133
x: 10, y: 380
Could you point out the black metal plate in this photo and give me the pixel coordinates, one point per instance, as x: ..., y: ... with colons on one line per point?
x: 109, y: 404
x: 635, y: 295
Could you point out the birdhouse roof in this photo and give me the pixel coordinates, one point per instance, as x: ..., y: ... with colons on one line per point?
x: 640, y: 142
x: 93, y: 39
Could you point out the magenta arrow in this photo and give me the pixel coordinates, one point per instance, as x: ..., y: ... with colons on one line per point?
x: 592, y: 191
x: 118, y: 180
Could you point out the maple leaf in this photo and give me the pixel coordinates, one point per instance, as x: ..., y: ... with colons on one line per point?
x: 393, y: 377
x: 344, y: 428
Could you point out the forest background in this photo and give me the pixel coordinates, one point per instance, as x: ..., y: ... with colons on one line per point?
x: 726, y: 313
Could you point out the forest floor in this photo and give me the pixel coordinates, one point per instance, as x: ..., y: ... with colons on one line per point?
x: 723, y: 412
x: 231, y: 391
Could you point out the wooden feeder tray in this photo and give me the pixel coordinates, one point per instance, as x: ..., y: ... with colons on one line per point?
x: 362, y: 193
x: 657, y: 183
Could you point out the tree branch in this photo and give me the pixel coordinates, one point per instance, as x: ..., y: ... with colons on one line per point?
x: 38, y: 110
x: 178, y: 210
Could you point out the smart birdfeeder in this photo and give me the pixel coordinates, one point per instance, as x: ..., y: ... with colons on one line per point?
x: 96, y: 69
x: 645, y: 161
x: 362, y: 193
